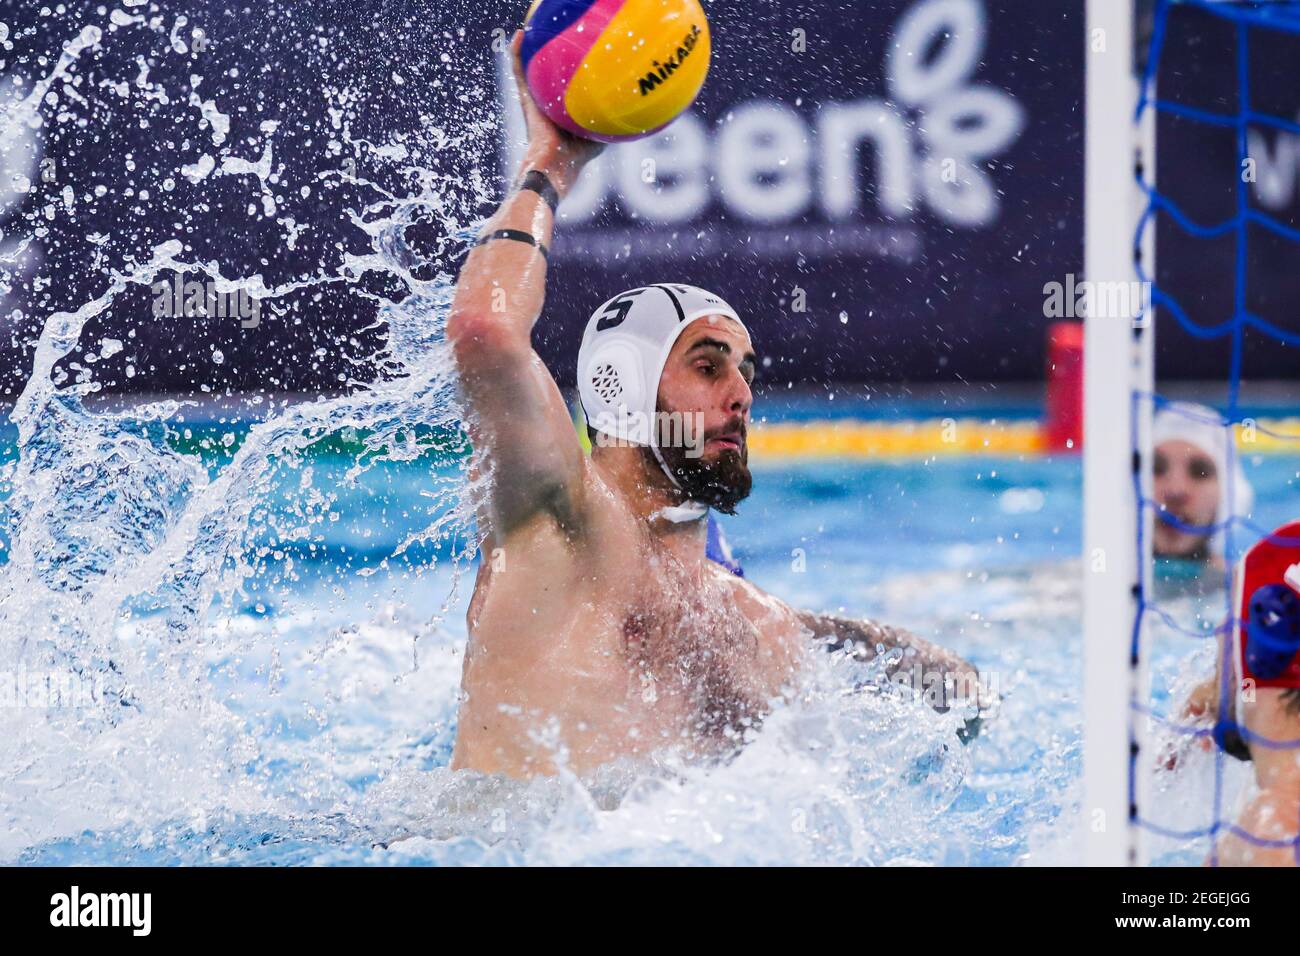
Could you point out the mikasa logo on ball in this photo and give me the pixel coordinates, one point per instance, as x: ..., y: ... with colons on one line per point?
x: 615, y: 70
x: 669, y: 66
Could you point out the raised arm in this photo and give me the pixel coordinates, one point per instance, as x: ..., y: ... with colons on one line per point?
x: 518, y: 420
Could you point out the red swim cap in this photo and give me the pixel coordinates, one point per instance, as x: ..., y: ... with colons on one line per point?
x: 1270, y: 570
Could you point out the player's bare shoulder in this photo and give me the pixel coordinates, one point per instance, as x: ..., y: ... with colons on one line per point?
x: 783, y: 637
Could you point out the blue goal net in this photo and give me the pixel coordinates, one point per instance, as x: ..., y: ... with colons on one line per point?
x: 1228, y: 229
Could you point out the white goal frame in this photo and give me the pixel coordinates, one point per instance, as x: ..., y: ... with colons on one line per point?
x: 1118, y: 374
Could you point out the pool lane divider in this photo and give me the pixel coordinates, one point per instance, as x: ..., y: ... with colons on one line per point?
x: 942, y: 437
x: 848, y: 438
x: 931, y: 438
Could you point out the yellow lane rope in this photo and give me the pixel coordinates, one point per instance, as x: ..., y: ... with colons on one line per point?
x: 929, y: 438
x: 956, y: 436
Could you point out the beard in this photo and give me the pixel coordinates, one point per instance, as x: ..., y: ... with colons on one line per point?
x: 722, y: 483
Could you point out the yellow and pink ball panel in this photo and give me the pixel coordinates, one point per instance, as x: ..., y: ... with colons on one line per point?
x: 615, y: 70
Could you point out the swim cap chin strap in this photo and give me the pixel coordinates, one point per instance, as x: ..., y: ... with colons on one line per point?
x: 688, y: 510
x: 624, y: 350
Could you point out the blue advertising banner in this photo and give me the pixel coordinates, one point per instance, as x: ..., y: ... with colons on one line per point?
x: 885, y: 190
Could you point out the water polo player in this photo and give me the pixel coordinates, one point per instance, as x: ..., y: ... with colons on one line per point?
x: 1193, y: 487
x: 598, y: 629
x: 1261, y: 722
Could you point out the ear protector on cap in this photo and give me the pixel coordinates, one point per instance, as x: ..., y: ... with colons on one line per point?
x: 1272, y: 631
x: 624, y: 350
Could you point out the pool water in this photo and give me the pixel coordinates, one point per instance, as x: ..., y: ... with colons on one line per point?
x: 310, y: 718
x: 271, y: 616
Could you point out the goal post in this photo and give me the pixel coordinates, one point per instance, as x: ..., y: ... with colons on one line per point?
x: 1118, y: 372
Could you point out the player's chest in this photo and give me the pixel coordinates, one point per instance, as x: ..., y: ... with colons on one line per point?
x: 695, y: 643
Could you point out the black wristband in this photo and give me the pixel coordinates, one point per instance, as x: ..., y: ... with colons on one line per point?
x: 515, y: 235
x: 537, y: 181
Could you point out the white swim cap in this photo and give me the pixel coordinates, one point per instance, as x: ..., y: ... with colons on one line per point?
x: 624, y: 350
x: 1204, y: 428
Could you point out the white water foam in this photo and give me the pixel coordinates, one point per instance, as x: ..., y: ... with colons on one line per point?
x: 221, y: 729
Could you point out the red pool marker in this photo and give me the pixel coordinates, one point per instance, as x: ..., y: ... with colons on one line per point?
x: 1063, y: 413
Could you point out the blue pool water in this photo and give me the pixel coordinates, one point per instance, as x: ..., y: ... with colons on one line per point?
x: 320, y: 706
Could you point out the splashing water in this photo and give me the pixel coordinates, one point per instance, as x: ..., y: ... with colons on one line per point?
x: 122, y: 543
x: 260, y: 605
